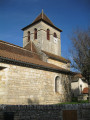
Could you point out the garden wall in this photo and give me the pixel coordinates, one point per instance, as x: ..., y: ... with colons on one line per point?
x: 44, y: 112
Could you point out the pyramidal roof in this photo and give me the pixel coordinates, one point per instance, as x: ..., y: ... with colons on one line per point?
x: 44, y: 18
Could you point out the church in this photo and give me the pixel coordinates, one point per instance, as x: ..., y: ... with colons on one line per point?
x: 35, y: 73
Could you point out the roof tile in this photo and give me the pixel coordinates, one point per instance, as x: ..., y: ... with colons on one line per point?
x: 44, y: 17
x: 20, y: 54
x: 31, y: 47
x: 56, y: 57
x: 85, y: 90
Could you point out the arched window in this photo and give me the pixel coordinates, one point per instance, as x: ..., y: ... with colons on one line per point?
x: 55, y: 35
x: 48, y: 34
x: 28, y: 36
x: 35, y: 33
x: 57, y: 84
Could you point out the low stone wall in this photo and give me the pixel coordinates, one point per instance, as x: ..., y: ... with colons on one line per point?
x: 42, y: 112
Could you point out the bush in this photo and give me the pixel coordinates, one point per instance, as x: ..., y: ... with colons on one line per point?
x: 83, y: 101
x: 74, y: 99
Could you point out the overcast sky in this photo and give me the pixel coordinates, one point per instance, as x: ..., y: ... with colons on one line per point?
x: 65, y: 14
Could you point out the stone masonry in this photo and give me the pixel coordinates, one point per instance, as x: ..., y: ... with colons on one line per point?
x: 44, y: 112
x: 23, y: 85
x: 41, y: 42
x: 31, y: 76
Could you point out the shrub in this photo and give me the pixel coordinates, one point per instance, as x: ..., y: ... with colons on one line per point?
x: 74, y: 99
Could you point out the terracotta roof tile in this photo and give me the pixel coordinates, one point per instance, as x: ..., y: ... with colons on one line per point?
x: 31, y: 47
x: 44, y: 17
x: 5, y: 46
x: 13, y: 56
x: 56, y: 57
x: 85, y: 90
x: 20, y: 54
x: 78, y: 75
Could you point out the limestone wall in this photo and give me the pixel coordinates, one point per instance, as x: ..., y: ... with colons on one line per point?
x: 24, y: 85
x: 60, y: 64
x: 41, y: 42
x: 37, y: 41
x: 50, y: 45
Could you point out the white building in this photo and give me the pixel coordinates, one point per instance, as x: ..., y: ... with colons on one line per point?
x: 77, y: 85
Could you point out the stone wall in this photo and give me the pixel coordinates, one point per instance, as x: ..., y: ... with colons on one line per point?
x: 38, y: 41
x: 25, y: 85
x: 49, y: 45
x: 58, y: 63
x: 41, y: 42
x: 43, y: 112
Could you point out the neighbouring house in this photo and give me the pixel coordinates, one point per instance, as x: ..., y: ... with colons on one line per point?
x: 85, y: 93
x: 78, y: 84
x: 35, y: 73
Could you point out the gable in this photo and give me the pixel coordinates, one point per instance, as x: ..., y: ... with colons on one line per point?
x: 44, y: 18
x: 56, y: 57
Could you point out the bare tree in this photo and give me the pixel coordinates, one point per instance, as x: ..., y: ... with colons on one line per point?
x: 81, y: 52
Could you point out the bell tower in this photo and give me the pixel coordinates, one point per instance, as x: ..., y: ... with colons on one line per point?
x: 43, y: 34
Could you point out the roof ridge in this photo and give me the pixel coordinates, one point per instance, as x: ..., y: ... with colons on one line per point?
x: 10, y: 44
x: 56, y: 55
x: 29, y: 50
x: 48, y: 18
x: 44, y: 17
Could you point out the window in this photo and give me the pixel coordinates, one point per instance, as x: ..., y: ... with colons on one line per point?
x: 35, y: 33
x: 55, y: 35
x: 48, y: 34
x: 28, y: 36
x: 57, y: 84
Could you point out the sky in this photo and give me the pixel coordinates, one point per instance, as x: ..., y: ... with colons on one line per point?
x: 65, y: 14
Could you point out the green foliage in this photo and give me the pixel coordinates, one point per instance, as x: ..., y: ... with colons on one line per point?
x: 80, y: 52
x: 83, y: 101
x: 74, y: 99
x: 78, y: 102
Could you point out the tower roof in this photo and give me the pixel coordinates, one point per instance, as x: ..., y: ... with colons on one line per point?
x: 44, y: 18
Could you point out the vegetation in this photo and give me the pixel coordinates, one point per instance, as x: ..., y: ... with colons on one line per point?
x: 77, y: 102
x: 81, y: 52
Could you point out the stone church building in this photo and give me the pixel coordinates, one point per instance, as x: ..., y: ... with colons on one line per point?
x: 35, y: 73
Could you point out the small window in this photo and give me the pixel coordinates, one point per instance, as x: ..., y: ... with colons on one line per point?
x: 48, y: 34
x: 57, y: 84
x: 28, y: 36
x: 35, y: 33
x: 55, y: 35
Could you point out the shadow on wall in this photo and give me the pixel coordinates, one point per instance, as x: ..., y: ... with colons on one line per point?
x: 67, y: 89
x: 8, y: 115
x: 35, y: 101
x: 75, y: 92
x: 1, y: 68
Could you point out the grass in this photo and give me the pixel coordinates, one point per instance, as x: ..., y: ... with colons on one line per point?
x: 75, y: 102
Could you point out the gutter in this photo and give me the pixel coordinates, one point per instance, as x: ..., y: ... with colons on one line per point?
x: 36, y: 66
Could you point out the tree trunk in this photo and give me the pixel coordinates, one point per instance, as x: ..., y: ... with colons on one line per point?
x: 89, y: 92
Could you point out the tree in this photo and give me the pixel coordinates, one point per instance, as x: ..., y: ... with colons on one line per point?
x: 81, y: 52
